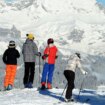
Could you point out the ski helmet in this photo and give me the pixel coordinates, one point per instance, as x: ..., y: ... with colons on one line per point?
x: 12, y: 44
x: 50, y: 40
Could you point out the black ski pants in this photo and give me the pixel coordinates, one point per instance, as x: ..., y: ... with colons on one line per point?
x: 70, y: 76
x: 29, y: 72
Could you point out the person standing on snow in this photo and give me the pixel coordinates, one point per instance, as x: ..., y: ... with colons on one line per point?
x: 50, y: 55
x: 29, y: 51
x: 69, y: 73
x: 10, y: 59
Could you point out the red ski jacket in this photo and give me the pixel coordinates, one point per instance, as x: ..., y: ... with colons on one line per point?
x: 51, y: 51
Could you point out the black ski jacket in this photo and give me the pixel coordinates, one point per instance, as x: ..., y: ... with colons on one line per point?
x: 10, y: 56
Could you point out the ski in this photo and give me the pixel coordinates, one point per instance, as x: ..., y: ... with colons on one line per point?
x: 65, y: 103
x: 71, y: 102
x: 40, y: 89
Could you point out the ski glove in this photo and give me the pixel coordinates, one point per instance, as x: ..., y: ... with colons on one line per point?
x: 39, y: 53
x: 44, y: 56
x: 84, y: 72
x: 56, y: 57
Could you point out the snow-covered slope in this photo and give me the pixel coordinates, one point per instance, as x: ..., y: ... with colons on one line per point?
x: 50, y: 97
x: 74, y: 25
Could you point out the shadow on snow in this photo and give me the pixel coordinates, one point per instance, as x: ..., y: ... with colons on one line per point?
x: 51, y: 94
x: 86, y: 96
x: 89, y: 96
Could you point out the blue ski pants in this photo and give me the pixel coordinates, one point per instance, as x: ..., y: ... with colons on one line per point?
x: 47, y: 74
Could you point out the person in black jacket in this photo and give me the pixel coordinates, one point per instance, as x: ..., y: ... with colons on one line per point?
x: 10, y: 59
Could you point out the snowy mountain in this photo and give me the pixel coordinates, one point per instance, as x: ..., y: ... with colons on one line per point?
x: 76, y: 26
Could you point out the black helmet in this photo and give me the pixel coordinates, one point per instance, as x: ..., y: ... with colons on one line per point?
x: 78, y: 54
x: 50, y: 40
x: 12, y: 44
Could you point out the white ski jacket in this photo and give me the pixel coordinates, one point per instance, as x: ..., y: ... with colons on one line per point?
x: 73, y: 63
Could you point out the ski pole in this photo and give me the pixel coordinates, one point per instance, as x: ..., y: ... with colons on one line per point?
x: 39, y: 70
x: 61, y: 95
x: 81, y: 87
x: 63, y: 91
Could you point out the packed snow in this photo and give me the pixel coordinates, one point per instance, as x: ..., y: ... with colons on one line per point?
x: 50, y: 97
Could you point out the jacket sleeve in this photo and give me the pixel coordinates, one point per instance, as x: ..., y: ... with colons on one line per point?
x: 5, y: 57
x: 23, y: 49
x: 35, y: 49
x: 18, y: 54
x: 56, y: 54
x: 80, y: 67
x: 45, y: 53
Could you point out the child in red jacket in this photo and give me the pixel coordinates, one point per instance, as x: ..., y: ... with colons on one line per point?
x: 50, y: 55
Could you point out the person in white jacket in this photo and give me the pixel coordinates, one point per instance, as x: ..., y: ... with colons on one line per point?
x: 73, y: 63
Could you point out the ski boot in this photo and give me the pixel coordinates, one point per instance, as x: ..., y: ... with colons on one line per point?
x: 43, y: 87
x: 9, y: 87
x: 30, y: 85
x: 49, y: 86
